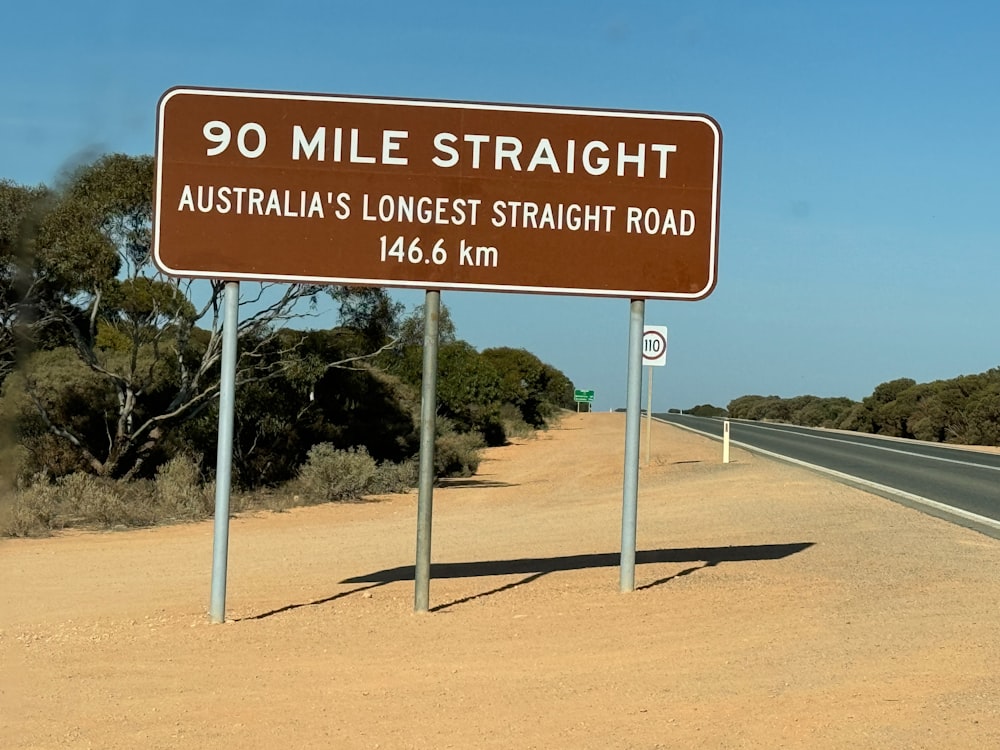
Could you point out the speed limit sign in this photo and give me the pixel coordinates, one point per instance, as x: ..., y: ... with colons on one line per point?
x: 654, y: 346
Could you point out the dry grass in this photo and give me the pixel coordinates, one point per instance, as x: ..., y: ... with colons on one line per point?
x: 178, y: 495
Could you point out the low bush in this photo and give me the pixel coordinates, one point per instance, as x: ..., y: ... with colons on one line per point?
x: 105, y: 503
x: 80, y: 500
x: 457, y: 454
x: 391, y: 478
x: 513, y: 423
x: 179, y: 491
x: 330, y: 474
x: 33, y: 511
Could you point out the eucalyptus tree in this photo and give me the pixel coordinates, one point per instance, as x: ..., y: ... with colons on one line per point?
x: 20, y: 209
x: 151, y: 342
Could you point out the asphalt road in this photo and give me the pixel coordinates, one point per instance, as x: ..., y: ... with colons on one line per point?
x: 961, y: 485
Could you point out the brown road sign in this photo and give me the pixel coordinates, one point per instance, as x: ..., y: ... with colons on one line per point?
x: 312, y: 188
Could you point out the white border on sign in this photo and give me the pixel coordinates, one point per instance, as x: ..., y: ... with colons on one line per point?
x: 279, y: 95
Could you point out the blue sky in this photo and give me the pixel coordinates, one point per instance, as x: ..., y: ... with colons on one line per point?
x: 860, y: 178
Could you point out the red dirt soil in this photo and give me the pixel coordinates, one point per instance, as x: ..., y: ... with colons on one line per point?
x: 774, y: 609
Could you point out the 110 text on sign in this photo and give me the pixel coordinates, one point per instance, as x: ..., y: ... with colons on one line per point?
x: 394, y: 192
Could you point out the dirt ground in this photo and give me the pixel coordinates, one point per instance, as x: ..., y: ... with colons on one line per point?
x: 774, y: 609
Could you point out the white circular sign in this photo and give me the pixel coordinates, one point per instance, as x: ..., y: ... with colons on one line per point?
x: 654, y: 346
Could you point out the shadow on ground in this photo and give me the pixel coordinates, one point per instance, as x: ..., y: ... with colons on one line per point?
x: 536, y: 567
x: 543, y: 565
x: 471, y: 482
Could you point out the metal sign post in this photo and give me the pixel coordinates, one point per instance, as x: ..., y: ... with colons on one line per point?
x: 224, y: 455
x: 654, y: 354
x: 428, y: 411
x: 649, y: 413
x: 633, y: 407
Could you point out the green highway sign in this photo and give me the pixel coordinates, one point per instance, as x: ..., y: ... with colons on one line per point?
x: 583, y: 396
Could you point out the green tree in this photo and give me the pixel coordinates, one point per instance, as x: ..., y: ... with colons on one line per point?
x: 706, y: 410
x: 405, y: 358
x: 960, y: 410
x: 154, y: 342
x: 533, y: 387
x: 889, y: 417
x: 469, y: 391
x: 811, y: 411
x: 371, y: 314
x: 322, y: 394
x: 558, y: 388
x: 522, y: 382
x: 411, y: 328
x: 21, y: 209
x: 984, y: 417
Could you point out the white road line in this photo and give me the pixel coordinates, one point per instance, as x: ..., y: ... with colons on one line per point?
x: 871, y: 445
x: 941, y: 507
x: 927, y: 502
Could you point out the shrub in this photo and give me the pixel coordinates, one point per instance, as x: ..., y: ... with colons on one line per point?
x: 179, y: 492
x: 330, y: 474
x: 34, y: 511
x: 79, y: 500
x: 88, y: 500
x: 457, y: 454
x: 47, y: 454
x: 106, y: 503
x: 391, y: 478
x: 513, y: 422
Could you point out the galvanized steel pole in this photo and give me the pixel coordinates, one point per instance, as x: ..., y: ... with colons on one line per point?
x: 633, y: 416
x: 425, y: 491
x: 649, y: 413
x: 224, y: 454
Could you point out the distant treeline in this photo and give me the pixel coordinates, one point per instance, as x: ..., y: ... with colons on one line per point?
x: 702, y: 410
x: 810, y: 411
x: 964, y: 410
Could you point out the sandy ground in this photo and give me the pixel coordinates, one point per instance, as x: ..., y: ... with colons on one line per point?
x: 775, y: 609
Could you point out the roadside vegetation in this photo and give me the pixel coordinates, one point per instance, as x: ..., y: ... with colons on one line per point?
x: 109, y: 375
x: 964, y: 410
